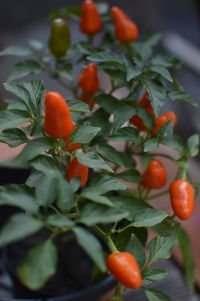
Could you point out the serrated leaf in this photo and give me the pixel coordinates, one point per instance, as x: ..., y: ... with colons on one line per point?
x: 156, y: 295
x: 150, y: 275
x: 78, y: 106
x: 13, y: 137
x: 91, y: 159
x: 18, y: 227
x: 162, y: 71
x: 24, y: 68
x: 93, y: 214
x: 84, y: 134
x: 38, y: 266
x: 137, y: 250
x: 17, y: 51
x: 161, y: 247
x: 91, y: 246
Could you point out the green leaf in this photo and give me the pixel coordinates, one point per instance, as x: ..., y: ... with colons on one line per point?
x: 17, y: 50
x: 19, y: 196
x: 165, y: 228
x: 65, y: 194
x: 84, y: 134
x: 156, y: 295
x: 13, y: 137
x: 38, y: 266
x: 108, y: 102
x: 157, y: 94
x: 181, y: 95
x: 131, y: 175
x: 109, y: 153
x: 46, y: 189
x: 149, y: 217
x: 36, y: 45
x: 66, y: 70
x: 137, y: 249
x: 165, y: 60
x: 36, y: 146
x: 93, y: 214
x: 96, y: 197
x: 107, y: 57
x: 124, y: 112
x: 162, y: 71
x: 78, y: 106
x: 24, y: 68
x: 193, y: 145
x: 145, y: 116
x: 91, y: 246
x: 151, y: 144
x: 93, y: 160
x: 100, y: 118
x: 117, y: 76
x: 161, y: 247
x: 132, y: 72
x: 59, y: 221
x: 188, y: 258
x: 143, y: 50
x: 18, y: 227
x: 125, y: 134
x: 150, y: 275
x: 9, y: 119
x: 152, y: 38
x: 104, y: 183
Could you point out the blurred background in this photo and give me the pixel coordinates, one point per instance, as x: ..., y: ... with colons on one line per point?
x: 179, y: 21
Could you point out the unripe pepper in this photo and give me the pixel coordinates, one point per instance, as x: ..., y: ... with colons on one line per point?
x: 162, y: 119
x: 74, y: 146
x: 58, y: 121
x: 125, y: 29
x: 88, y: 98
x: 182, y: 198
x: 90, y: 22
x: 155, y: 176
x: 76, y: 169
x: 136, y: 120
x: 59, y: 40
x: 88, y: 80
x: 125, y: 269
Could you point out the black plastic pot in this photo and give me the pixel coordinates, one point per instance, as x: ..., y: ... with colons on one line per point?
x: 92, y: 293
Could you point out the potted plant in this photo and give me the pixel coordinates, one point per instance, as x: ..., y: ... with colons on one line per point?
x: 76, y: 216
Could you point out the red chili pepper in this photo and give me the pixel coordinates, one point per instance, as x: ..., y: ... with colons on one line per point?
x: 58, y: 121
x: 76, y: 169
x: 182, y: 198
x: 125, y: 269
x: 74, y: 146
x: 125, y: 29
x: 162, y: 119
x: 155, y: 176
x: 88, y: 98
x: 88, y: 80
x: 90, y: 22
x: 136, y: 120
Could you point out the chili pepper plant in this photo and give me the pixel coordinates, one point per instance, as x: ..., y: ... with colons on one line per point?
x: 87, y: 145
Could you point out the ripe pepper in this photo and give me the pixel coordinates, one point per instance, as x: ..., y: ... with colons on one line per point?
x: 88, y: 98
x: 125, y: 269
x: 88, y: 80
x: 162, y: 119
x: 74, y: 146
x: 136, y: 120
x: 58, y: 121
x: 59, y: 40
x: 182, y: 198
x: 90, y: 22
x: 76, y: 169
x: 155, y: 176
x: 125, y: 29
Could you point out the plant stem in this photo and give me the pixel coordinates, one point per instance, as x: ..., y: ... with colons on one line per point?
x: 111, y: 244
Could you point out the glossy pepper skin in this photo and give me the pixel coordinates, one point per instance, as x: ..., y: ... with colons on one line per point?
x: 125, y: 269
x: 90, y: 22
x: 155, y: 176
x: 136, y: 120
x: 74, y: 146
x: 76, y: 169
x: 88, y: 80
x: 125, y: 29
x: 88, y: 98
x: 59, y: 40
x: 58, y: 121
x: 162, y: 119
x: 182, y: 198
